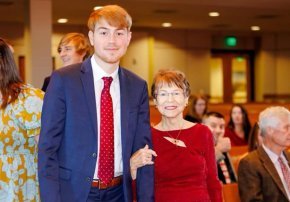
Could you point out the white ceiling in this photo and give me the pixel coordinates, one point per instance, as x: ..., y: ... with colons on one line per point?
x: 236, y: 15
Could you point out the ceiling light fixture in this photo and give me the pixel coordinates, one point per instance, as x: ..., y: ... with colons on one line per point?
x: 62, y: 20
x: 166, y: 24
x: 255, y: 28
x: 97, y: 7
x: 213, y: 14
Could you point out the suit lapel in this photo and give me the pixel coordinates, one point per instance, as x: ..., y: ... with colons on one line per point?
x: 269, y: 166
x: 230, y: 167
x: 89, y: 90
x: 123, y: 79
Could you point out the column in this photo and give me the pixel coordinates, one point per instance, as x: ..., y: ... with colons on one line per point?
x: 37, y: 41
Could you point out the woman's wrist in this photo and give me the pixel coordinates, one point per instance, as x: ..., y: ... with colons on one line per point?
x: 133, y: 166
x: 133, y: 173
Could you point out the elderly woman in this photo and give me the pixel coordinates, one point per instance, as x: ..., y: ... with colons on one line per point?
x: 20, y: 111
x: 185, y: 167
x: 72, y: 48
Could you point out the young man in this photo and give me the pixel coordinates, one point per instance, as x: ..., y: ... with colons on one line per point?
x: 95, y: 116
x: 216, y: 123
x: 264, y: 174
x: 73, y: 48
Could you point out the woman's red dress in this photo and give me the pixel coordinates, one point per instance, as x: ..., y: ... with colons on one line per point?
x: 186, y: 174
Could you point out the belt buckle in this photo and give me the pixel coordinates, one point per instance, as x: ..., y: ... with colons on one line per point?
x: 102, y: 185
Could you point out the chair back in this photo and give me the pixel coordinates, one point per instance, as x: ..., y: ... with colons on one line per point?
x: 231, y: 193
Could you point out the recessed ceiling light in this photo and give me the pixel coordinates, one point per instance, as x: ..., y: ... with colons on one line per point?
x: 62, y: 20
x: 213, y: 14
x: 255, y: 28
x: 97, y: 7
x: 166, y: 24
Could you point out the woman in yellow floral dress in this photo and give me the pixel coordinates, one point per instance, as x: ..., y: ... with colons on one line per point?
x: 20, y: 111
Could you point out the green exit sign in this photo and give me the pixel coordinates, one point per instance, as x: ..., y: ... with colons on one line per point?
x: 231, y: 41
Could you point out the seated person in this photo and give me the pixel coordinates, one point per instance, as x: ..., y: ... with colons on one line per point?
x: 197, y: 108
x: 239, y: 126
x: 216, y: 123
x: 254, y: 141
x: 255, y: 138
x: 264, y: 173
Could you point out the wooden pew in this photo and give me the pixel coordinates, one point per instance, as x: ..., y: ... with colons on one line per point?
x: 236, y: 154
x: 253, y: 109
x: 155, y: 116
x: 231, y: 193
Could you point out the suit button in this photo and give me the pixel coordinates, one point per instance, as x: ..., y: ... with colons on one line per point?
x: 89, y: 179
x: 94, y: 155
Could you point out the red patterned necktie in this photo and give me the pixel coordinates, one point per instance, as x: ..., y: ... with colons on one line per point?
x: 106, y: 156
x: 225, y: 171
x: 285, y: 172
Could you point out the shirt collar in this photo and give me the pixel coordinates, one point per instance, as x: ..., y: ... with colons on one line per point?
x: 99, y: 73
x: 273, y: 156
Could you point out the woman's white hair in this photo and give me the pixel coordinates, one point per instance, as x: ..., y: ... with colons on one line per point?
x: 271, y: 116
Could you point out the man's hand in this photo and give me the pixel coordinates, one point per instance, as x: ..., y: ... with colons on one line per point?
x: 223, y: 144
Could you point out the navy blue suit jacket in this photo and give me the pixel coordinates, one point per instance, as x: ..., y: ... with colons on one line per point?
x: 68, y: 139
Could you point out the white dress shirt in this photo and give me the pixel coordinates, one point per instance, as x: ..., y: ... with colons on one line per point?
x: 98, y: 74
x: 274, y: 158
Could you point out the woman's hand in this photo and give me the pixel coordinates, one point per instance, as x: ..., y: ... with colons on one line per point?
x: 141, y: 158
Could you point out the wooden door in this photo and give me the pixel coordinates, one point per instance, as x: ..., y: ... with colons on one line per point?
x: 237, y: 76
